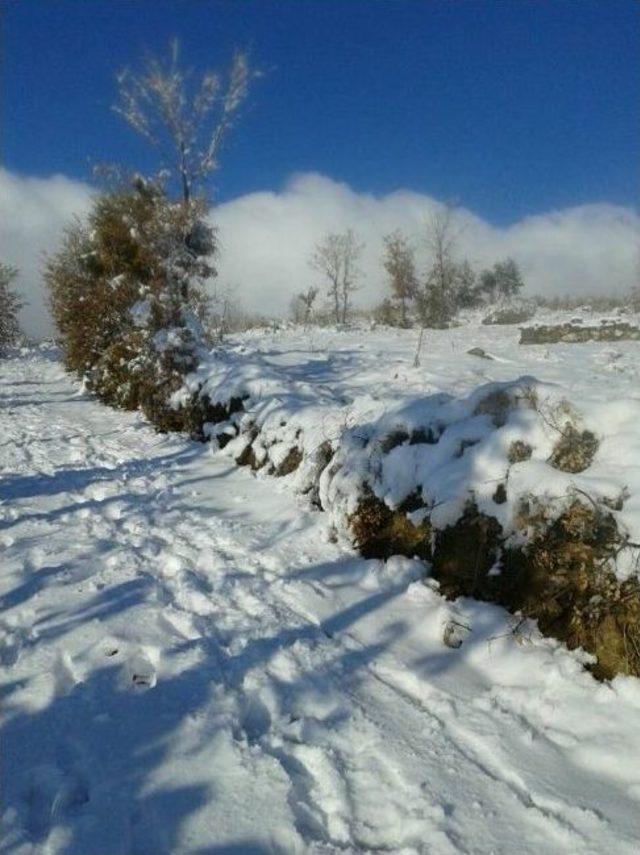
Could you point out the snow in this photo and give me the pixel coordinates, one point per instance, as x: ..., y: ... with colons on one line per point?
x: 356, y: 390
x: 192, y: 664
x: 140, y: 313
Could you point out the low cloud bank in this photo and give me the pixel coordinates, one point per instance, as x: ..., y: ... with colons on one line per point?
x: 267, y: 238
x: 33, y: 213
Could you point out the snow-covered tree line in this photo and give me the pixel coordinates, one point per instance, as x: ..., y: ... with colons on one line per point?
x: 430, y: 298
x: 133, y: 287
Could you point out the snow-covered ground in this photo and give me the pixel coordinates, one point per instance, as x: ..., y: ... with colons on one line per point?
x: 191, y: 665
x: 443, y: 431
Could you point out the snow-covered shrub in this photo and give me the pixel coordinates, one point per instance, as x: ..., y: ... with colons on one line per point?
x: 380, y: 532
x: 561, y: 574
x: 10, y: 305
x: 514, y: 312
x: 502, y: 282
x: 573, y: 333
x: 508, y: 491
x: 126, y: 291
x: 575, y: 449
x: 387, y: 313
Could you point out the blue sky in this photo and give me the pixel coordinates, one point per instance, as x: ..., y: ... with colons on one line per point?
x: 509, y: 107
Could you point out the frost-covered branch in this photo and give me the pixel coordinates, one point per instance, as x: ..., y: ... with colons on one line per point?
x: 185, y: 120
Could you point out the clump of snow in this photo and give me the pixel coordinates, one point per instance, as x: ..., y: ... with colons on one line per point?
x: 141, y: 313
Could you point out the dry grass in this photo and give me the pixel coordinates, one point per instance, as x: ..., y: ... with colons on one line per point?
x: 563, y: 578
x: 290, y: 463
x: 380, y: 532
x: 574, y: 451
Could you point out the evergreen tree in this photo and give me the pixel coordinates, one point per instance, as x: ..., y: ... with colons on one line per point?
x: 466, y: 287
x: 10, y: 305
x: 126, y: 289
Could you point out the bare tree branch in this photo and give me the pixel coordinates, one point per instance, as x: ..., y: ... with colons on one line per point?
x: 336, y: 256
x: 185, y: 120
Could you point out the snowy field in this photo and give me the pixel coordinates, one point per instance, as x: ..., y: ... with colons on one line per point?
x: 433, y: 430
x: 192, y: 665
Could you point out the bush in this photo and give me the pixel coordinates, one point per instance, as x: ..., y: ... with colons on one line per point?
x: 561, y: 577
x: 126, y: 292
x: 10, y: 305
x: 435, y: 307
x: 503, y: 281
x: 387, y: 314
x: 575, y: 450
x: 510, y: 314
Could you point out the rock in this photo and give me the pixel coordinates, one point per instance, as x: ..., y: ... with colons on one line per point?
x: 478, y: 351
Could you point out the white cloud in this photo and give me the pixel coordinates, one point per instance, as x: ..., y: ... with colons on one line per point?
x: 267, y: 238
x: 33, y: 213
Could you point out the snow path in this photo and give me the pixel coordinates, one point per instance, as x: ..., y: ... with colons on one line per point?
x: 189, y: 665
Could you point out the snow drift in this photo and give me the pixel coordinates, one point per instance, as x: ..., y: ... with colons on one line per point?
x: 540, y: 493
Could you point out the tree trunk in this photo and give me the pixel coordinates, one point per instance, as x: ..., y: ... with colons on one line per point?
x: 336, y: 301
x: 345, y: 303
x: 186, y: 188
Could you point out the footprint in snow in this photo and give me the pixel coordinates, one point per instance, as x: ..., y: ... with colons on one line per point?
x: 12, y: 640
x: 255, y: 718
x: 64, y: 674
x: 140, y: 669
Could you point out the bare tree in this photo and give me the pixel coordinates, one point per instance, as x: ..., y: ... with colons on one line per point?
x: 336, y: 256
x: 185, y: 120
x: 399, y: 262
x: 327, y: 259
x: 219, y: 307
x: 441, y: 240
x: 447, y: 281
x: 435, y: 301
